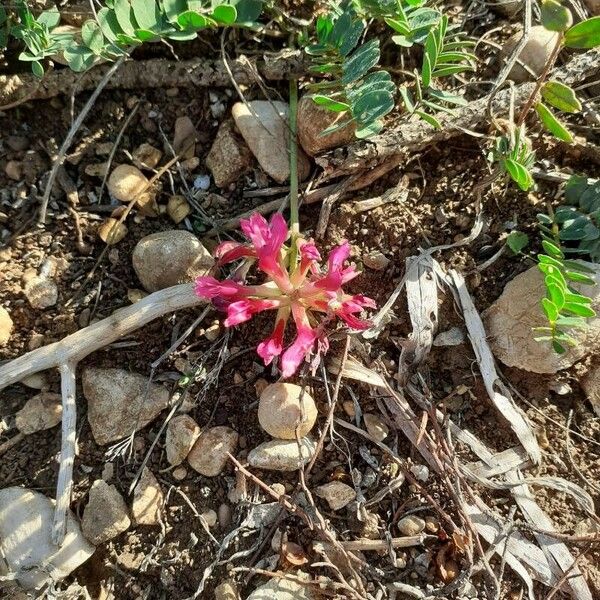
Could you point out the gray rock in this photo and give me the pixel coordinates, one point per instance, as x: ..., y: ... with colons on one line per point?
x: 105, y: 515
x: 42, y: 411
x: 229, y: 157
x: 376, y: 426
x: 182, y: 433
x: 6, y: 326
x: 209, y: 454
x: 337, y: 494
x: 313, y: 120
x: 148, y: 499
x: 167, y: 258
x: 227, y: 591
x: 452, y: 337
x: 41, y: 292
x: 591, y: 386
x: 26, y: 519
x: 511, y: 318
x: 281, y: 455
x: 284, y: 589
x: 411, y: 525
x: 264, y: 126
x: 120, y: 402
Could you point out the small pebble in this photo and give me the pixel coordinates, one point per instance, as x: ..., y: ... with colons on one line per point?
x: 179, y: 473
x: 421, y: 472
x: 411, y: 525
x: 336, y: 493
x: 224, y: 516
x: 376, y: 426
x: 210, y: 517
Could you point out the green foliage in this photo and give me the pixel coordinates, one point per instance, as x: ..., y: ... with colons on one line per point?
x: 123, y: 24
x: 354, y: 87
x: 517, y: 241
x: 555, y: 16
x: 561, y: 96
x: 37, y: 35
x: 515, y: 157
x: 564, y: 307
x: 585, y: 34
x: 552, y: 124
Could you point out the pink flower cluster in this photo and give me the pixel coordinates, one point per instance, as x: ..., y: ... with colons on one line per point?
x: 303, y: 290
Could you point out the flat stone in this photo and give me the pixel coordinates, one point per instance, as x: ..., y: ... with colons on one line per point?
x: 148, y: 499
x: 451, y: 337
x: 209, y: 454
x: 510, y: 320
x: 6, y: 326
x: 337, y: 494
x: 376, y: 426
x: 168, y: 258
x: 185, y: 137
x: 120, y: 402
x: 535, y: 54
x: 313, y: 120
x: 265, y: 127
x: 377, y: 261
x: 284, y: 589
x: 42, y: 411
x: 411, y: 525
x: 26, y: 520
x: 182, y: 433
x: 229, y: 157
x: 41, y: 292
x: 281, y: 455
x: 105, y: 515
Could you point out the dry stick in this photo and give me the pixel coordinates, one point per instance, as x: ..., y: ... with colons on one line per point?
x: 70, y: 135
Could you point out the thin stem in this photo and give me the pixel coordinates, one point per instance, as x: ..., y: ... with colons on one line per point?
x: 294, y: 216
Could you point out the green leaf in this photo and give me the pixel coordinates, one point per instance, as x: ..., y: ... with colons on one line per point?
x: 92, y: 36
x: 556, y: 295
x: 552, y: 124
x: 517, y: 240
x: 50, y: 18
x: 109, y: 24
x: 573, y: 298
x: 584, y: 35
x: 550, y: 310
x: 558, y: 347
x: 173, y: 8
x: 555, y: 16
x: 426, y: 71
x: 561, y: 96
x: 519, y: 174
x: 124, y: 16
x: 552, y: 249
x: 79, y: 58
x: 429, y: 119
x: 248, y: 11
x: 360, y: 61
x: 399, y: 26
x: 147, y: 14
x: 330, y: 103
x: 444, y: 71
x: 579, y: 278
x: 372, y: 106
x: 407, y: 99
x: 37, y: 69
x: 583, y: 310
x: 190, y: 19
x: 225, y: 14
x: 146, y: 35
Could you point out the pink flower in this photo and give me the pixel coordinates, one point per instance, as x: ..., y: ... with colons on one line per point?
x: 295, y: 285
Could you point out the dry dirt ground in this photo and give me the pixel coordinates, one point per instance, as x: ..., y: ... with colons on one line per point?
x: 168, y: 561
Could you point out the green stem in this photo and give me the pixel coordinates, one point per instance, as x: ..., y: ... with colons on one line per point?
x: 294, y: 216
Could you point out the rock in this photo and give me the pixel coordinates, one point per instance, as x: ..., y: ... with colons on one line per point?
x: 97, y: 169
x: 185, y: 137
x: 148, y: 499
x: 182, y: 433
x: 6, y: 326
x: 336, y: 493
x: 313, y: 120
x: 209, y: 454
x: 120, y: 402
x: 146, y: 156
x: 126, y: 182
x: 535, y: 53
x: 41, y: 292
x: 224, y: 515
x: 170, y: 257
x: 26, y: 520
x: 281, y: 455
x: 227, y: 591
x: 452, y: 337
x: 43, y: 411
x: 593, y: 6
x: 376, y: 260
x: 179, y: 473
x: 111, y: 231
x: 14, y: 170
x: 264, y: 126
x: 19, y: 143
x: 591, y: 387
x: 105, y: 515
x: 210, y: 517
x: 280, y: 411
x: 411, y: 525
x: 178, y: 208
x: 376, y: 426
x: 284, y: 589
x: 510, y: 319
x: 37, y: 381
x: 229, y: 157
x: 421, y: 472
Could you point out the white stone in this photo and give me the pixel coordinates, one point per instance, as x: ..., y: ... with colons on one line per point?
x: 376, y: 426
x: 105, y: 515
x: 209, y: 454
x: 535, y: 54
x: 120, y: 402
x: 411, y: 525
x: 6, y: 326
x: 210, y: 517
x: 42, y: 411
x: 509, y: 323
x: 284, y: 589
x: 452, y: 337
x: 337, y: 494
x: 421, y: 472
x: 281, y: 455
x: 26, y: 519
x: 41, y: 292
x: 280, y: 411
x: 168, y: 258
x: 182, y: 433
x: 264, y: 126
x: 148, y: 499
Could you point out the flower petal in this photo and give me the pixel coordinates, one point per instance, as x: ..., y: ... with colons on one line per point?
x: 243, y: 310
x: 256, y: 229
x: 229, y: 251
x: 303, y: 344
x: 209, y: 287
x: 272, y: 346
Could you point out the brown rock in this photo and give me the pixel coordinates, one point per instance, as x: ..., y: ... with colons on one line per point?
x: 146, y: 156
x: 185, y: 137
x: 209, y: 454
x: 42, y: 411
x: 229, y: 157
x: 591, y: 386
x: 313, y: 120
x: 148, y: 499
x: 182, y: 433
x: 105, y: 515
x: 6, y: 326
x: 126, y: 182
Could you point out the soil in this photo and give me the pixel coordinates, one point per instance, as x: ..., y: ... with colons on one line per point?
x: 168, y: 560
